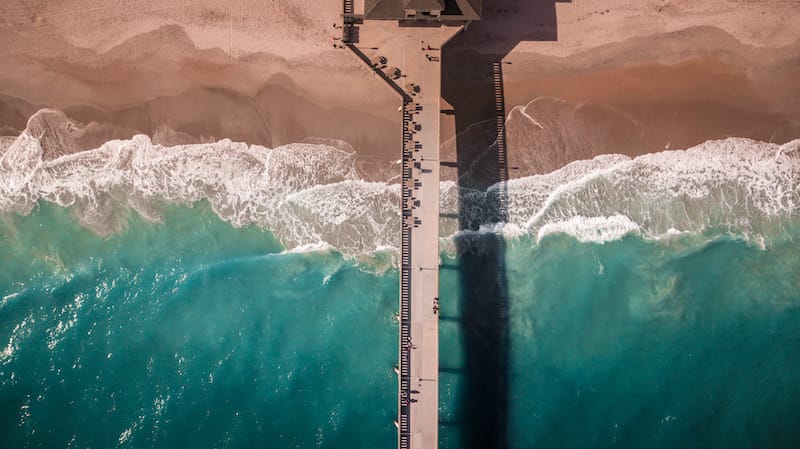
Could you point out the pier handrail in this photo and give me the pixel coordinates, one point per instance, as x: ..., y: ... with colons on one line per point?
x: 404, y: 381
x: 360, y: 54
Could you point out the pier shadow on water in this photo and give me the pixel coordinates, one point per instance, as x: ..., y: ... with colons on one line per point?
x: 469, y: 63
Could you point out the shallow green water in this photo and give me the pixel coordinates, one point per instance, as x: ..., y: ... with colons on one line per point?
x: 191, y: 333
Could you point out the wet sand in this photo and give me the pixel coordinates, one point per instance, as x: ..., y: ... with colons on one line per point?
x: 599, y: 102
x: 607, y: 77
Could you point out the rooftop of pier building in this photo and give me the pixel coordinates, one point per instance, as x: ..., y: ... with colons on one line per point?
x: 433, y: 10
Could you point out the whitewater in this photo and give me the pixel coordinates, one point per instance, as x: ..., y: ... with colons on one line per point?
x: 227, y: 295
x: 310, y: 195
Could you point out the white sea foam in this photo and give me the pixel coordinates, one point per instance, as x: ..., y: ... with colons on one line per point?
x: 310, y: 196
x: 736, y: 185
x: 310, y: 248
x: 592, y: 229
x: 307, y: 195
x: 20, y: 332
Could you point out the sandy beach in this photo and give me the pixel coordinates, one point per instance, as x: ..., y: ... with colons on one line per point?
x: 582, y: 79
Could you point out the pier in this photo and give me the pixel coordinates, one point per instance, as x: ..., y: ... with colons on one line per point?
x: 408, y: 61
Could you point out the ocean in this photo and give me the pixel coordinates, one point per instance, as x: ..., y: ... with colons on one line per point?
x: 230, y: 296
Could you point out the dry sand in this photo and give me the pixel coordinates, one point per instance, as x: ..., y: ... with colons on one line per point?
x: 589, y: 77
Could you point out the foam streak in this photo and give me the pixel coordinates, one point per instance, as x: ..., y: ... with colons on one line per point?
x: 310, y: 195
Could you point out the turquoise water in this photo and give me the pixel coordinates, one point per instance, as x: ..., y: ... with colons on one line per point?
x: 188, y: 334
x: 191, y: 333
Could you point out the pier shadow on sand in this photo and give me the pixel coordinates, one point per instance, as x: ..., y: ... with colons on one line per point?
x: 469, y: 63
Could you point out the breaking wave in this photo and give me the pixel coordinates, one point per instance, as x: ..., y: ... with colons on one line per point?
x: 305, y: 194
x: 310, y: 195
x: 736, y: 186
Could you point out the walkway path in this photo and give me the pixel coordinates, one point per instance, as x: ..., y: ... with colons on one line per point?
x: 415, y: 52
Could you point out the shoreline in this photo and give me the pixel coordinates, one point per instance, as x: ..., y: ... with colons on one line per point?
x: 628, y: 91
x: 309, y: 194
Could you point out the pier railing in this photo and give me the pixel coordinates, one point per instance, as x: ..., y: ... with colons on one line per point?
x: 407, y: 205
x: 408, y: 222
x: 500, y: 117
x: 502, y: 162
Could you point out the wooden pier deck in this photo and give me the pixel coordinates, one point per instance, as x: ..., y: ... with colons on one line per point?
x: 415, y: 52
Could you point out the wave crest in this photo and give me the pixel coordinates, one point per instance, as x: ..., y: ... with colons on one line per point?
x: 310, y: 194
x: 303, y: 193
x: 736, y: 185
